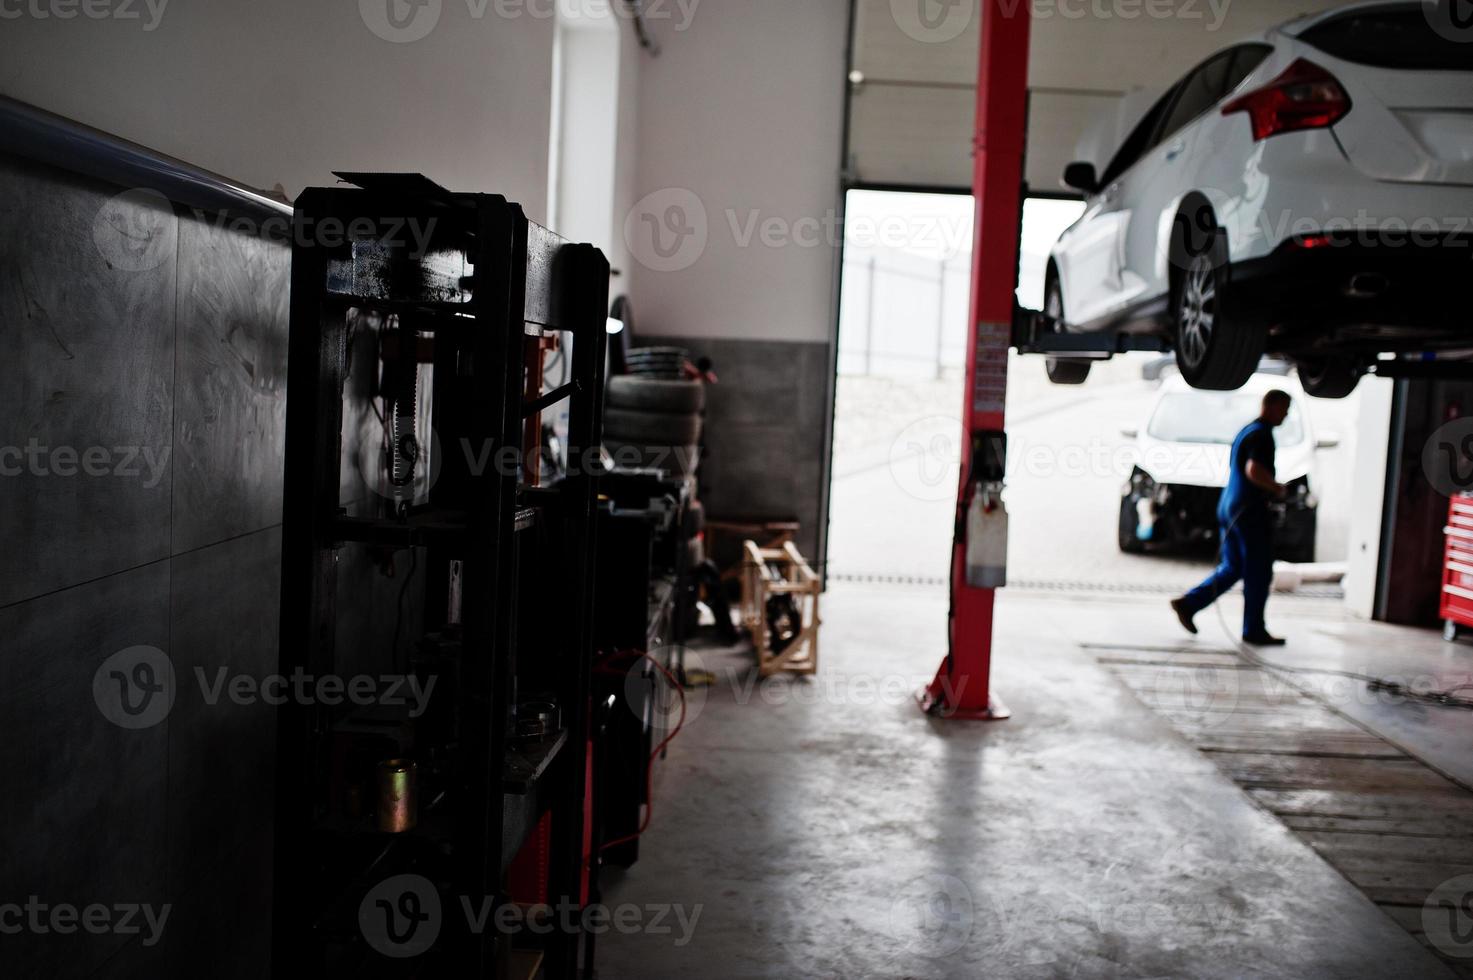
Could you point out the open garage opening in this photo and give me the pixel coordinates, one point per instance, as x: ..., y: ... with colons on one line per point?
x: 1112, y: 483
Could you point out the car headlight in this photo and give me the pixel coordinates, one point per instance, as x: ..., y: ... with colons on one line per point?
x: 1140, y: 484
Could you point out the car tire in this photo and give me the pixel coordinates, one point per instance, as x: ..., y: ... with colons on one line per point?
x: 656, y: 395
x: 660, y: 428
x: 1330, y: 377
x: 1129, y: 541
x: 1061, y: 370
x: 1067, y: 370
x: 1214, y: 350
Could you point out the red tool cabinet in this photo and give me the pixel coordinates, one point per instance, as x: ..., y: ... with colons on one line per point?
x: 1456, y: 603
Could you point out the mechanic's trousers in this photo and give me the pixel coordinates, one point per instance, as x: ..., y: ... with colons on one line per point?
x: 1247, y: 554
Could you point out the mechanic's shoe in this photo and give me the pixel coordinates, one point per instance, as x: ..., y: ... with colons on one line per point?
x: 1263, y: 640
x: 1183, y: 615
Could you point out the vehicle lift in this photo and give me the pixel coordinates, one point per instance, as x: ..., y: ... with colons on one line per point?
x: 962, y: 687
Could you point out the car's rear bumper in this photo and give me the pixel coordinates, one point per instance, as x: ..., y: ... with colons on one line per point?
x: 1358, y: 291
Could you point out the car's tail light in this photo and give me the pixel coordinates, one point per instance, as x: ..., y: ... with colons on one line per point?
x: 1303, y: 97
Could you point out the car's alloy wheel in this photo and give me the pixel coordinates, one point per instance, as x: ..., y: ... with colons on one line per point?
x: 1197, y: 311
x: 1215, y: 349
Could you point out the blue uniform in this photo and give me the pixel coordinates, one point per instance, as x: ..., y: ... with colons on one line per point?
x: 1247, y: 543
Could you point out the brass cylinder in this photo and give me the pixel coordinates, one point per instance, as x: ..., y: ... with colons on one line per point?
x: 398, y: 795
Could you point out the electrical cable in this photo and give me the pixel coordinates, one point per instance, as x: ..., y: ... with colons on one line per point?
x: 649, y: 768
x: 636, y: 9
x: 1446, y: 698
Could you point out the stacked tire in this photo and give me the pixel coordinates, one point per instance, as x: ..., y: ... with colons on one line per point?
x: 657, y: 362
x: 654, y: 423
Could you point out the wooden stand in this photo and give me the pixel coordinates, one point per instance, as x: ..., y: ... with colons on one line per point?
x: 772, y: 573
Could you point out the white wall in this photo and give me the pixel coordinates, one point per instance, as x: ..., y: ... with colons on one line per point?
x: 1368, y: 495
x: 632, y: 63
x: 282, y: 91
x: 740, y: 117
x: 588, y: 124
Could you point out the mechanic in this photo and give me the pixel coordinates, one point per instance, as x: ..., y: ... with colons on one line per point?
x: 1247, y: 536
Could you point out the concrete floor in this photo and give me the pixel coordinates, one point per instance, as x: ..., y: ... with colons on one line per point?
x: 823, y: 827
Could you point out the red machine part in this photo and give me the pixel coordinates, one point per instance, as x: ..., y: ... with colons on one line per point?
x: 1456, y: 604
x: 962, y: 686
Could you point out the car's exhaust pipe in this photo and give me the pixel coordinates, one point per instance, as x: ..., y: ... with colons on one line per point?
x: 1367, y: 285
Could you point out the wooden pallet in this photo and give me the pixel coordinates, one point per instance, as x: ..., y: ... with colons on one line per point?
x: 1393, y: 826
x: 772, y: 572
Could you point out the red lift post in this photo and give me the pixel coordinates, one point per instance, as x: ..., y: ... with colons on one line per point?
x: 962, y: 687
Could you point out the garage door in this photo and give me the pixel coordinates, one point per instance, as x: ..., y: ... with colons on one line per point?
x: 913, y: 77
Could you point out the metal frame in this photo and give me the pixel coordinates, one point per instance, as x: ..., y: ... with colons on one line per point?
x: 35, y: 134
x: 526, y: 282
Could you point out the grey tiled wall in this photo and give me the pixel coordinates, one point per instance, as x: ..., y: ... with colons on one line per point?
x: 185, y: 359
x: 765, y: 431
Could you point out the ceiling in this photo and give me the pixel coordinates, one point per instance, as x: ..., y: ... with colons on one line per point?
x: 911, y: 116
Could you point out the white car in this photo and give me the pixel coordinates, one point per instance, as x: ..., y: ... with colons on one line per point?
x: 1306, y: 192
x: 1182, y: 462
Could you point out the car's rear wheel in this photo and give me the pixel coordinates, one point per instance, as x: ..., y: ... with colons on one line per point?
x: 1329, y: 377
x: 1213, y: 349
x: 1067, y: 370
x: 1061, y: 370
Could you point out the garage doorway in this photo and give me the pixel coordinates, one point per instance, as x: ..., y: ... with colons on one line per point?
x: 902, y: 331
x: 905, y: 292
